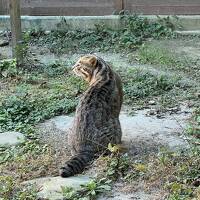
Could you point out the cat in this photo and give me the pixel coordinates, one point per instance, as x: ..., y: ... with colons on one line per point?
x: 96, y: 122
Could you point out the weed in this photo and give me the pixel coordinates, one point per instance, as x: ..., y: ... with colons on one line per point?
x: 157, y: 55
x: 134, y: 31
x: 10, y: 190
x: 8, y: 68
x: 88, y: 191
x: 194, y: 125
x: 28, y: 108
x: 169, y: 59
x: 141, y: 85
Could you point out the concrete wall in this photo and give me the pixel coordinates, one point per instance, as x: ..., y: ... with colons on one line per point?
x: 88, y: 22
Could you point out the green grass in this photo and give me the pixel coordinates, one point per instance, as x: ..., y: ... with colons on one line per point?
x: 135, y: 30
x: 140, y: 86
x: 194, y: 125
x: 38, y: 96
x: 158, y: 54
x: 10, y: 190
x: 88, y: 191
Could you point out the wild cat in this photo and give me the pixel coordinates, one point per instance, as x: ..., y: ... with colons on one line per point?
x: 96, y: 122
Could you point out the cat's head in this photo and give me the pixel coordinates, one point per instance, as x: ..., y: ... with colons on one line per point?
x: 85, y: 67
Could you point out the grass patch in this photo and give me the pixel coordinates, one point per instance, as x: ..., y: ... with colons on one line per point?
x: 135, y: 30
x: 175, y: 173
x: 141, y: 86
x: 194, y: 125
x: 88, y: 191
x: 39, y: 96
x: 169, y: 59
x: 10, y: 190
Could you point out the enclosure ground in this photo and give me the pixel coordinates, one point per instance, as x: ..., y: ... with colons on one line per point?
x: 161, y: 94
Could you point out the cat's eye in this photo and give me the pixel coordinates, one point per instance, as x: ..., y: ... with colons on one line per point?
x: 85, y: 69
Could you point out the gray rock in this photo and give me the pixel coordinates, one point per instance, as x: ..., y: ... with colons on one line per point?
x: 166, y: 131
x: 11, y: 138
x: 62, y: 123
x: 51, y: 187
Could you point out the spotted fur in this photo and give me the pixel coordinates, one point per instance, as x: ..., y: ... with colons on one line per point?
x: 96, y: 122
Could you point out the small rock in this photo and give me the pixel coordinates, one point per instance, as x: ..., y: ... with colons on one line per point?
x: 51, y: 187
x: 62, y: 123
x: 152, y: 102
x: 4, y: 43
x: 11, y: 138
x: 47, y: 32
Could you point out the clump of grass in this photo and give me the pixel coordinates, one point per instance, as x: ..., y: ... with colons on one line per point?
x: 8, y: 68
x: 169, y: 59
x: 33, y: 103
x: 18, y: 111
x: 133, y: 32
x: 157, y: 55
x: 88, y: 191
x: 176, y: 173
x: 194, y: 125
x: 141, y: 85
x: 10, y: 189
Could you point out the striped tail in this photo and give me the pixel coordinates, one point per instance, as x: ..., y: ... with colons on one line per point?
x: 76, y: 164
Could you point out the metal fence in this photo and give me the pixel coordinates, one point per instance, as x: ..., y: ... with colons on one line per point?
x: 103, y: 7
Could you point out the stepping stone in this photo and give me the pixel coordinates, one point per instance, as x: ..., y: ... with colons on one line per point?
x: 11, y: 138
x: 62, y: 122
x: 51, y: 187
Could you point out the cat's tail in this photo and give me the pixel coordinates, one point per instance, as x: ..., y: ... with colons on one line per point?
x: 76, y: 164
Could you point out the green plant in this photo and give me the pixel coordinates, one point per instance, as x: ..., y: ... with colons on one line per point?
x: 139, y: 84
x: 19, y: 111
x: 54, y: 69
x: 8, y: 68
x: 167, y: 58
x: 133, y: 32
x: 194, y: 125
x: 88, y: 191
x: 156, y: 55
x: 10, y: 190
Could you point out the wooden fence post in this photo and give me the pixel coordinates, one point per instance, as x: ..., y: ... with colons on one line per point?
x: 122, y: 4
x: 15, y: 19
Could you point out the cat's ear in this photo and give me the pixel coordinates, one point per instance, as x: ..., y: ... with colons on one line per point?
x: 93, y: 61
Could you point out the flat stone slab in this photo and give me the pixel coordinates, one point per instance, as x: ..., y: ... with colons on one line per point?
x: 51, y: 187
x: 63, y: 123
x: 166, y: 131
x: 11, y: 138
